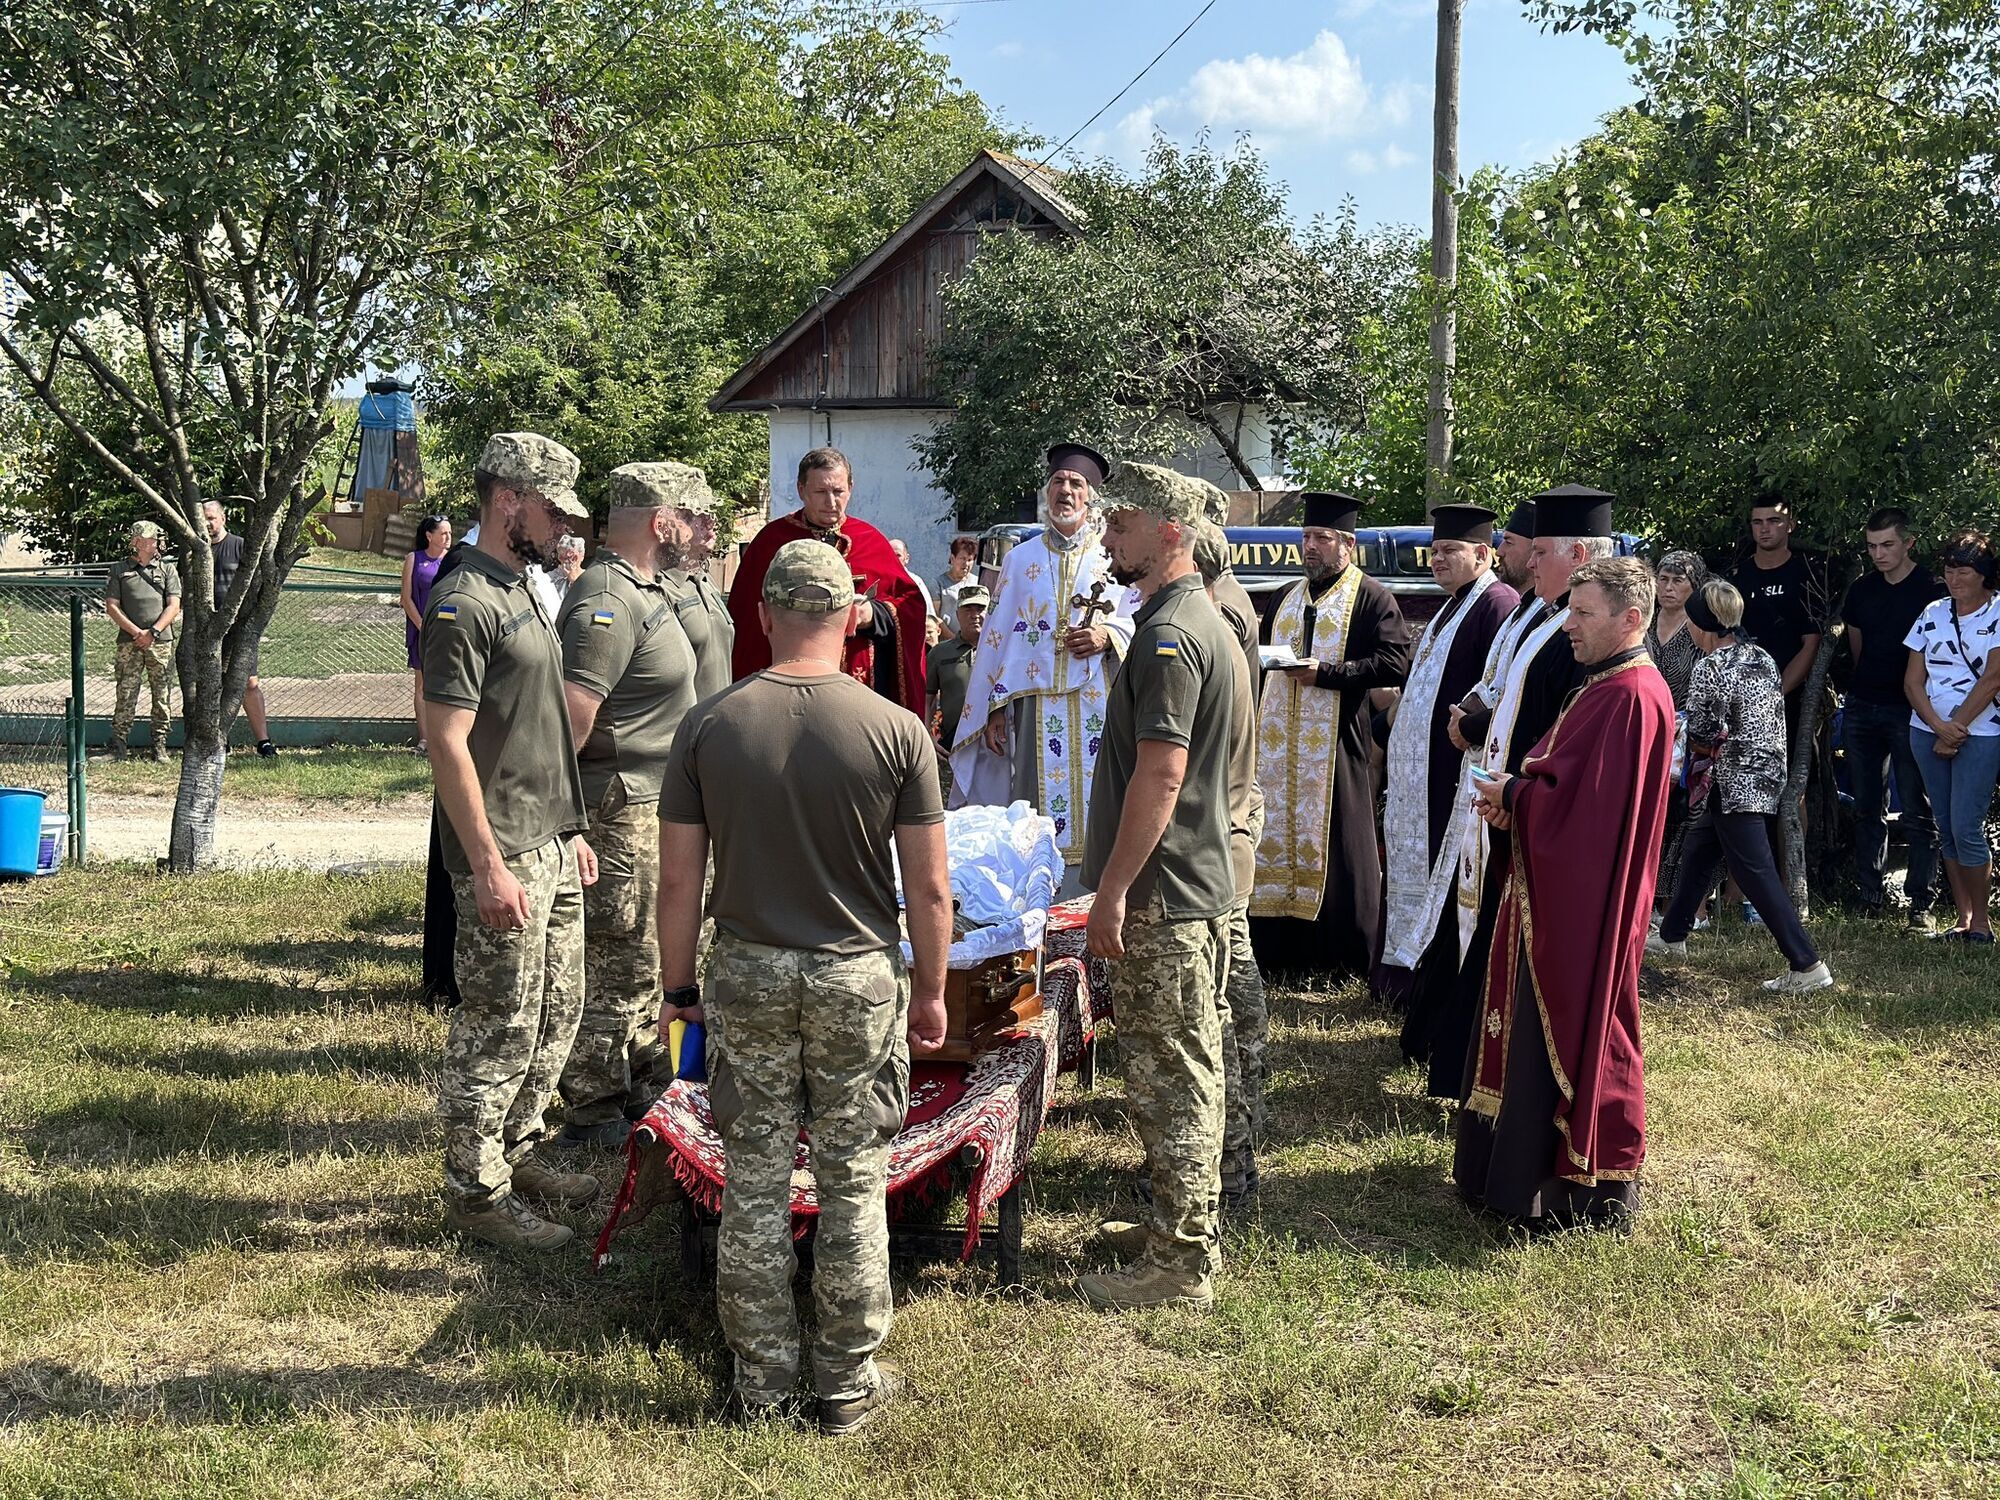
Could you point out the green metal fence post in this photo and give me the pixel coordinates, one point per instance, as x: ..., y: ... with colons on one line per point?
x: 79, y: 793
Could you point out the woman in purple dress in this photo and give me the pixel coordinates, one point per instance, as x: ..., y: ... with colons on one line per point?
x: 419, y: 573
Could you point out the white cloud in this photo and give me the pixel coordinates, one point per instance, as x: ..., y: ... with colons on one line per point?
x: 1311, y: 97
x: 1395, y: 158
x: 1010, y: 50
x: 1318, y: 92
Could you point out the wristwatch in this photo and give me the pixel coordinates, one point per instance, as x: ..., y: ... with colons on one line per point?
x: 684, y: 998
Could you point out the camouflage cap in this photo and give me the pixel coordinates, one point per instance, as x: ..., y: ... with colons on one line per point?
x: 808, y: 578
x: 644, y: 486
x: 1211, y: 551
x: 1158, y: 492
x: 148, y: 528
x: 974, y: 597
x: 1214, y: 502
x: 529, y: 461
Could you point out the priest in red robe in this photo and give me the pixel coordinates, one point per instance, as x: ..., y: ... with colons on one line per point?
x: 888, y: 652
x: 1555, y: 1130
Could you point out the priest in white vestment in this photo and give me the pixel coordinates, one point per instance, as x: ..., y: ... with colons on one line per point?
x: 1058, y: 627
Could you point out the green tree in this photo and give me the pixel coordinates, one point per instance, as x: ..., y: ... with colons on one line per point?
x: 1189, y: 297
x: 256, y: 192
x: 838, y: 123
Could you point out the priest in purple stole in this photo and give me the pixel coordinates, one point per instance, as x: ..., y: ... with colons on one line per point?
x: 1555, y: 1129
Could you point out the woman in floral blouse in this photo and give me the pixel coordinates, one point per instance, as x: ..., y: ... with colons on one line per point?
x: 1736, y: 725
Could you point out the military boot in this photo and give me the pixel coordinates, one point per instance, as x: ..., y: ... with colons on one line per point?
x: 530, y: 1176
x: 510, y: 1224
x: 839, y: 1418
x: 118, y: 750
x: 1123, y: 1238
x: 1147, y: 1285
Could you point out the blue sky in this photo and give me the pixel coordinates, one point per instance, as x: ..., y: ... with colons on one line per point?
x: 1336, y: 95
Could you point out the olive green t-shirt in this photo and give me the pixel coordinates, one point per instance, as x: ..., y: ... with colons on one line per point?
x: 143, y: 592
x: 802, y: 783
x: 1176, y: 686
x: 622, y: 640
x: 488, y: 646
x: 704, y: 616
x: 948, y: 673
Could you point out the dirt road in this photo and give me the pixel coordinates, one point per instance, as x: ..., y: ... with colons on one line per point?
x: 265, y: 834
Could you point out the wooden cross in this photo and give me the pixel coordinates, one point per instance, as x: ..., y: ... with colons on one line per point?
x: 1093, y: 603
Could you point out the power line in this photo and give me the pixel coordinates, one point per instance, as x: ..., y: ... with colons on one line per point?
x: 1134, y: 83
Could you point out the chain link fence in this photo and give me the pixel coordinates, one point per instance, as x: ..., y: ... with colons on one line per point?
x: 333, y: 660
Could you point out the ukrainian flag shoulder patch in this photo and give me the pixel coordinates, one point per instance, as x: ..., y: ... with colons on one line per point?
x: 447, y: 612
x: 603, y: 617
x: 1167, y: 648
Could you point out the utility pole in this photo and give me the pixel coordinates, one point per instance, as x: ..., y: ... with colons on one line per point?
x: 1444, y: 254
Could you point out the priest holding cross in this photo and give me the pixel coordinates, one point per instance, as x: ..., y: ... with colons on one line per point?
x: 1058, y: 628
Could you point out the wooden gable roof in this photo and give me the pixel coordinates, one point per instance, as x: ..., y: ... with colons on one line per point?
x: 868, y: 341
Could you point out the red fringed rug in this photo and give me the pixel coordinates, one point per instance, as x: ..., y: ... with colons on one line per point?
x: 996, y: 1103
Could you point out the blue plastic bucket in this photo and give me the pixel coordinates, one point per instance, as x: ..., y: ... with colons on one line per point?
x: 20, y: 830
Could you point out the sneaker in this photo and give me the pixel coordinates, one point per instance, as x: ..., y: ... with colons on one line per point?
x: 1123, y: 1238
x: 1917, y: 921
x: 265, y: 749
x: 1750, y: 917
x: 1147, y: 1285
x: 1701, y: 924
x: 530, y: 1176
x: 1659, y: 947
x: 578, y: 1137
x: 1801, y: 981
x: 160, y: 756
x: 839, y: 1418
x: 510, y: 1224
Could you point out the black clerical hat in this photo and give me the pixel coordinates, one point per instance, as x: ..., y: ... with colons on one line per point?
x: 1334, y: 512
x: 1462, y: 523
x: 1573, y: 510
x: 1079, y: 460
x: 1522, y: 522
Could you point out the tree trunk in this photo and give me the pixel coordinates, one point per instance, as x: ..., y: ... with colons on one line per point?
x: 1799, y: 768
x: 1231, y: 451
x: 1444, y: 255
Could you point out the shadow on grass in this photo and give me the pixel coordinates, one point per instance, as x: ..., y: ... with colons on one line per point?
x: 290, y: 983
x: 142, y: 1125
x: 386, y: 1061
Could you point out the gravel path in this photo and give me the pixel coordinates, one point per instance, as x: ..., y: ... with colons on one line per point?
x: 264, y: 834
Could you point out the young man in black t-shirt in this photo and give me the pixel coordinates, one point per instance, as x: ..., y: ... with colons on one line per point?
x: 228, y: 549
x: 1881, y: 607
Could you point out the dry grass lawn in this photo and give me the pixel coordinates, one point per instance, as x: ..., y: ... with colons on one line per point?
x: 222, y: 1271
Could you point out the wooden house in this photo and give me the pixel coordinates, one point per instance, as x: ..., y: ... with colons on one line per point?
x: 855, y: 370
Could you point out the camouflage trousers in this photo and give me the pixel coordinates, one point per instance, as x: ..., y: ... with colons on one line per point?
x: 129, y: 664
x: 619, y: 1059
x: 797, y: 1037
x: 1167, y: 994
x: 520, y: 994
x: 1246, y: 1028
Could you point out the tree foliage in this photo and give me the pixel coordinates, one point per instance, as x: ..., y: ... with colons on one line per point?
x: 1774, y: 274
x: 252, y: 194
x: 837, y: 123
x: 1188, y: 296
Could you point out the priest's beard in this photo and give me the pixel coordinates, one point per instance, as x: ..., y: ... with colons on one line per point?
x: 527, y: 551
x: 1320, y: 576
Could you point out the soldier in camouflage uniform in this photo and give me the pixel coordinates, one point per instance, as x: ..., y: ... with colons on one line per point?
x: 1157, y: 853
x: 704, y: 612
x: 628, y: 678
x: 1246, y: 1022
x: 804, y: 778
x: 143, y: 598
x: 508, y: 787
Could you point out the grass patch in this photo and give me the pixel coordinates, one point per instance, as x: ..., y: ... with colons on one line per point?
x: 354, y: 562
x: 222, y: 1273
x: 363, y: 775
